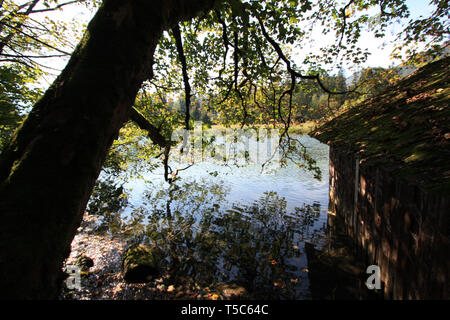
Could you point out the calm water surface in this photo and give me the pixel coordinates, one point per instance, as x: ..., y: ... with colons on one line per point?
x: 226, y: 224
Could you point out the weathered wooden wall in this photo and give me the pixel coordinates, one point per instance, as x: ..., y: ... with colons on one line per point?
x: 396, y: 225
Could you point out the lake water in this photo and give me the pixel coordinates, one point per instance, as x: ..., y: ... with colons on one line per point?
x: 226, y: 224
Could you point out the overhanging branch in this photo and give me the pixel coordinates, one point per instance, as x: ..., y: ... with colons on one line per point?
x: 291, y: 71
x: 187, y: 87
x: 153, y: 132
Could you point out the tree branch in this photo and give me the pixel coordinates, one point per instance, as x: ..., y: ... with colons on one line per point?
x: 35, y: 39
x: 55, y: 7
x: 288, y: 64
x: 225, y: 39
x: 153, y: 132
x: 187, y: 87
x: 344, y: 22
x: 17, y: 27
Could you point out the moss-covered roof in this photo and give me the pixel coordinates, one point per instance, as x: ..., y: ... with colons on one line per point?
x: 406, y: 128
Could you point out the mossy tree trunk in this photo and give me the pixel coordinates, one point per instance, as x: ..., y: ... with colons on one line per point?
x: 49, y: 169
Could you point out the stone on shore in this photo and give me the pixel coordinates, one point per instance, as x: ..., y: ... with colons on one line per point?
x: 140, y: 264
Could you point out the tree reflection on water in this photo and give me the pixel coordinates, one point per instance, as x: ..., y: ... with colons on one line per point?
x: 209, y: 241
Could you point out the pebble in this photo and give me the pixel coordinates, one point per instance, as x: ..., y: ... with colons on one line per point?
x: 105, y: 280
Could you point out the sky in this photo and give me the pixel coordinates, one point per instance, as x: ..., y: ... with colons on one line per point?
x: 380, y: 48
x: 380, y: 56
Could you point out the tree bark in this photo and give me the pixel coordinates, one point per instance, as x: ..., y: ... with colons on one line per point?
x: 48, y: 171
